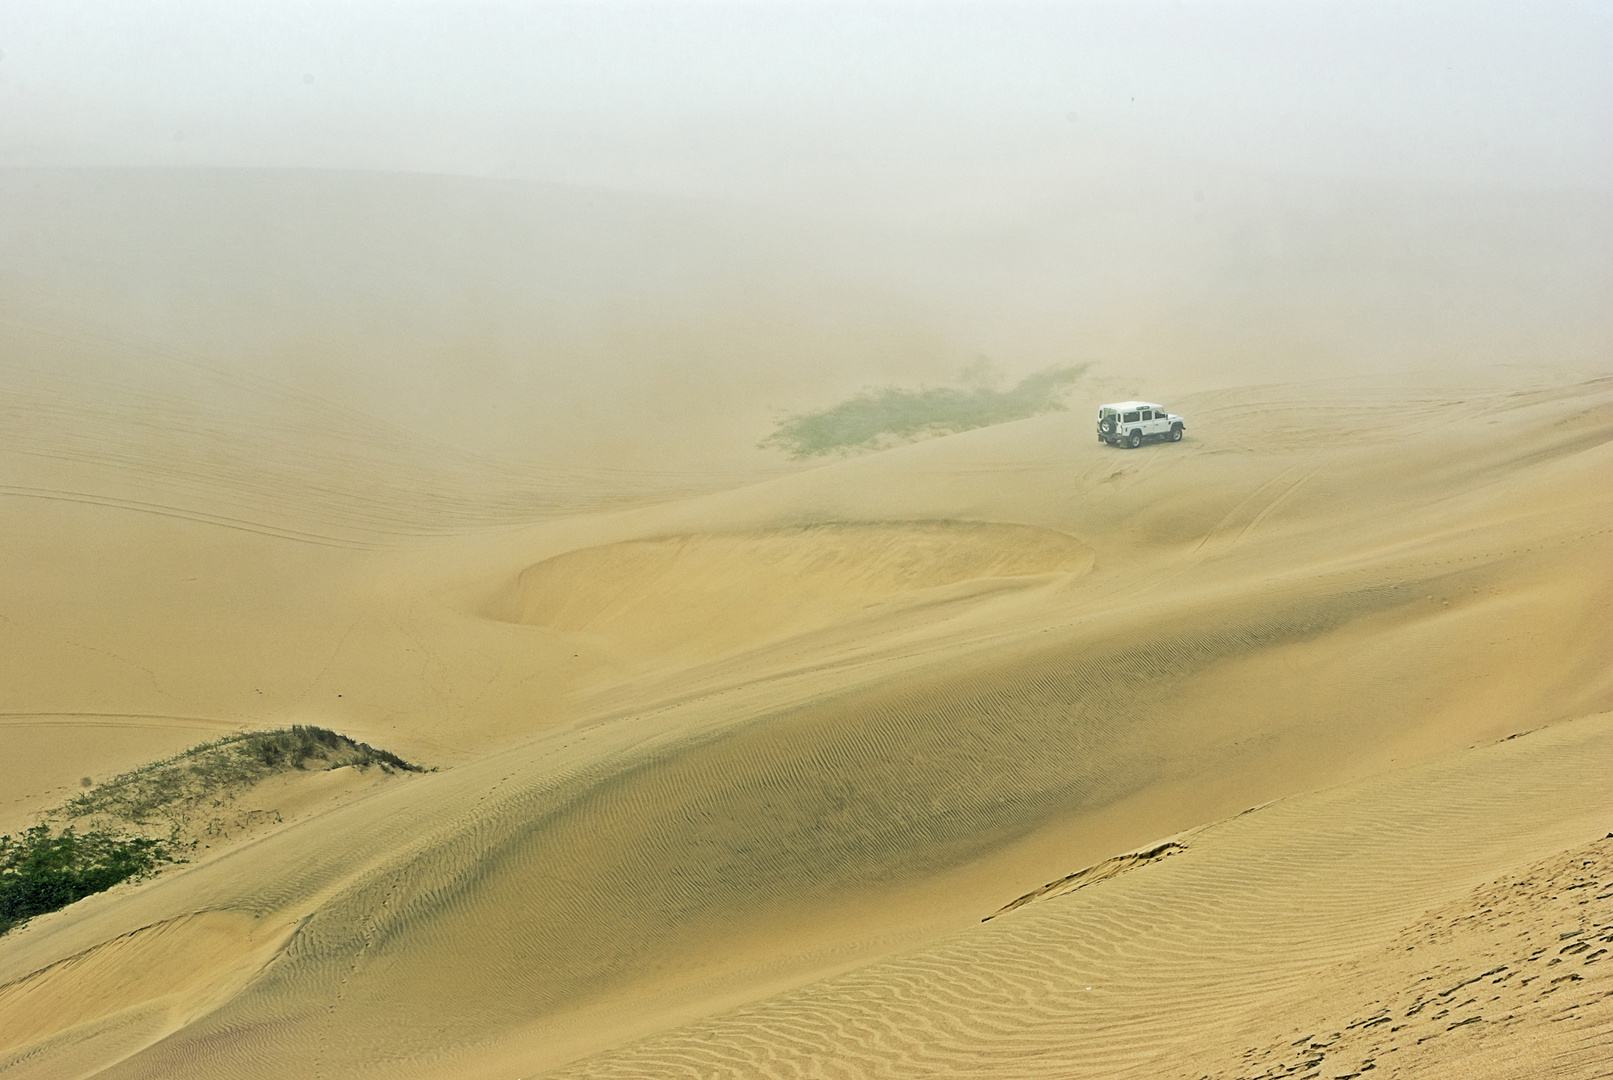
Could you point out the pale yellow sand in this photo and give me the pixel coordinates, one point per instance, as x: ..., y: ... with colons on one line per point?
x: 735, y: 759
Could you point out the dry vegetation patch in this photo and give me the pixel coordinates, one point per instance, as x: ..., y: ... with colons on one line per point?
x: 134, y: 824
x: 178, y: 793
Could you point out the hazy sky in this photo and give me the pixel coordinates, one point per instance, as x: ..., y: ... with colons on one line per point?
x: 772, y: 100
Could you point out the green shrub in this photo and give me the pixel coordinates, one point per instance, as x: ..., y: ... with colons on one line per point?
x: 41, y: 871
x: 880, y: 416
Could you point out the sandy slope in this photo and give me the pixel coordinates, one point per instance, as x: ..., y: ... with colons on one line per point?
x: 1247, y: 937
x: 734, y: 761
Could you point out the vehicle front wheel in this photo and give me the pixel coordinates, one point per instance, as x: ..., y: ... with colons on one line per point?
x: 1135, y: 440
x: 1176, y: 433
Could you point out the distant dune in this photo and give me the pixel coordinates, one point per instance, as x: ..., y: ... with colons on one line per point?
x: 735, y: 754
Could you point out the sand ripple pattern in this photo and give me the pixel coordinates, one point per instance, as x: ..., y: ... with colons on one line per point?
x: 1126, y: 978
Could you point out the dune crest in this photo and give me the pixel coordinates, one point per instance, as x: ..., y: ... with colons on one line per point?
x: 716, y: 591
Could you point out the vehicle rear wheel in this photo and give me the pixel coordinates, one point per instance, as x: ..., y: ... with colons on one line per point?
x: 1135, y: 440
x: 1176, y: 433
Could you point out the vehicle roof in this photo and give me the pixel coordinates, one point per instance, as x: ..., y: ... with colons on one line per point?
x: 1127, y: 406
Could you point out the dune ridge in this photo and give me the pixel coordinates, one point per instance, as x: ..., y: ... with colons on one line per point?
x: 695, y: 589
x: 1063, y: 987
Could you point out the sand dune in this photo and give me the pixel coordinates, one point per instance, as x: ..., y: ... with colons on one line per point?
x: 1171, y: 969
x: 699, y: 592
x: 736, y: 755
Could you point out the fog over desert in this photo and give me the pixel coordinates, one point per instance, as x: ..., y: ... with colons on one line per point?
x: 572, y: 540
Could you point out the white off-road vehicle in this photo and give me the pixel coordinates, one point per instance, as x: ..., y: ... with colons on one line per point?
x: 1128, y: 423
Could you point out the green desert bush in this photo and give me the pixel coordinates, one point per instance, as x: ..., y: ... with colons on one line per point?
x: 883, y: 416
x: 42, y: 871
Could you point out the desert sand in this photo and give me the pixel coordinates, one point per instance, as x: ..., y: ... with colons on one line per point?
x: 1294, y: 738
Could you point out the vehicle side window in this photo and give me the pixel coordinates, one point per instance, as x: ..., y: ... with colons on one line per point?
x: 1132, y: 418
x: 1147, y: 414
